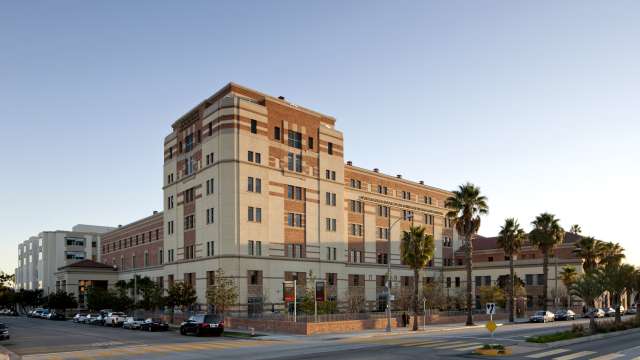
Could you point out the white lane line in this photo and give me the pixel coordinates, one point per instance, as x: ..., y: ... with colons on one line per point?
x: 468, y: 348
x: 609, y: 356
x: 455, y: 346
x: 575, y: 355
x: 547, y: 353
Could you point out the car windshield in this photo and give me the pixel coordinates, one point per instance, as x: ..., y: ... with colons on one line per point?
x: 211, y: 318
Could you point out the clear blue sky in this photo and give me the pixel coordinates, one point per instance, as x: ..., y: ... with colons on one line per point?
x: 536, y: 102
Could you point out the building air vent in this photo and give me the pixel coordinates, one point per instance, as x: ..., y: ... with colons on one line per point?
x: 349, y: 163
x: 376, y: 170
x: 399, y: 176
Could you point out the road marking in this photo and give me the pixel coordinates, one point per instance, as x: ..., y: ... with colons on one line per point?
x: 422, y: 343
x: 575, y: 355
x: 468, y: 348
x: 452, y: 345
x: 547, y: 353
x: 609, y: 356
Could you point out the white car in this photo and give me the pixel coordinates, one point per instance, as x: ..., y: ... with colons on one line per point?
x: 79, y: 317
x: 114, y: 319
x: 542, y: 316
x: 633, y: 309
x: 132, y: 323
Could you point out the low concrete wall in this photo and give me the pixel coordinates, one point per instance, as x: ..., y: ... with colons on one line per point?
x: 302, y: 328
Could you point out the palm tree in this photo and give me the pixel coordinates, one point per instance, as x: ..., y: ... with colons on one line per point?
x: 589, y: 288
x: 612, y: 253
x: 511, y: 239
x: 575, y: 229
x: 590, y: 251
x: 546, y: 234
x: 465, y: 208
x: 416, y: 249
x: 618, y: 279
x: 568, y: 276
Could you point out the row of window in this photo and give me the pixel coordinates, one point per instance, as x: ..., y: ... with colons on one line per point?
x: 381, y: 189
x: 129, y: 242
x: 146, y: 260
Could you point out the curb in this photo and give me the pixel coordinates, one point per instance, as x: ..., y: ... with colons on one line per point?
x: 6, y: 354
x: 584, y: 339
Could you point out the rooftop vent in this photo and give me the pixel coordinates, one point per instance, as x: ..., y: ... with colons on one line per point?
x: 399, y: 176
x: 376, y: 170
x: 349, y: 163
x: 119, y: 225
x: 421, y: 182
x: 281, y: 97
x: 155, y: 212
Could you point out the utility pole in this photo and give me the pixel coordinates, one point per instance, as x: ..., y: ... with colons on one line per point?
x: 295, y: 300
x: 388, y: 283
x: 556, y: 298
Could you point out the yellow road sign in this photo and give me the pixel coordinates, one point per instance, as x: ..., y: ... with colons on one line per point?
x: 491, y: 326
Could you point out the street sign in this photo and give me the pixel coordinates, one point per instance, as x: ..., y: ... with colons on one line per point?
x: 320, y: 292
x: 491, y: 308
x: 288, y: 291
x: 491, y: 326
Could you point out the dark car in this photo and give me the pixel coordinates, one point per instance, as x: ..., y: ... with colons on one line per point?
x: 565, y: 315
x: 153, y: 324
x: 4, y: 332
x: 57, y: 316
x: 202, y: 325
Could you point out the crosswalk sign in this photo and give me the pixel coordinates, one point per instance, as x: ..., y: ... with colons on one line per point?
x: 491, y: 308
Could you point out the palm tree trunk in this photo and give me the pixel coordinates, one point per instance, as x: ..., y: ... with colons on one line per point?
x: 469, y: 264
x: 416, y: 281
x: 510, y: 303
x: 617, y: 302
x: 545, y: 288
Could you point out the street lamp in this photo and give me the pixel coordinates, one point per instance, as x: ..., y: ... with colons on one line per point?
x: 388, y: 283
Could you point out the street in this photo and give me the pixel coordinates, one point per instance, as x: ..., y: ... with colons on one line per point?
x: 42, y: 339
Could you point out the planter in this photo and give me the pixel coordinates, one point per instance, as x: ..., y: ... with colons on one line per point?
x: 493, y: 352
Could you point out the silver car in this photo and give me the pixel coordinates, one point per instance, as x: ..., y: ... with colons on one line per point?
x: 542, y: 316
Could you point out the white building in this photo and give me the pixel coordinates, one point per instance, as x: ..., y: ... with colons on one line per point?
x: 40, y: 257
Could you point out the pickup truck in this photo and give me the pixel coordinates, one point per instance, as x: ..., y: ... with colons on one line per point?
x: 114, y: 319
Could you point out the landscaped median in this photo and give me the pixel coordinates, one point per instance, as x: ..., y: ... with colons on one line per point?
x: 580, y: 331
x: 493, y: 350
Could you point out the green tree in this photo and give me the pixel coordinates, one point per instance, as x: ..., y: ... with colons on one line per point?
x: 510, y: 239
x: 618, y: 279
x: 589, y: 288
x: 465, y: 208
x: 546, y: 234
x: 590, y: 251
x: 568, y: 275
x: 575, y: 229
x: 223, y: 293
x: 612, y: 254
x: 181, y: 295
x: 491, y: 294
x: 416, y: 249
x: 99, y: 298
x: 61, y: 301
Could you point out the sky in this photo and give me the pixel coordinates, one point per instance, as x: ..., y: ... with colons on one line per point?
x: 536, y: 102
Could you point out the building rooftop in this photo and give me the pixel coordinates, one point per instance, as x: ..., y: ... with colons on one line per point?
x: 87, y: 264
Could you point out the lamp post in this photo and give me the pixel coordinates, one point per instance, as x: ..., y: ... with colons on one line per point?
x: 388, y: 283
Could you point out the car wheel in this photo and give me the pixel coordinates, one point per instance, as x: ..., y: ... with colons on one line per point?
x: 182, y: 332
x: 198, y: 332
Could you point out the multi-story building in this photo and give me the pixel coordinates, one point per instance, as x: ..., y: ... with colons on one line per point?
x: 258, y: 187
x: 40, y: 256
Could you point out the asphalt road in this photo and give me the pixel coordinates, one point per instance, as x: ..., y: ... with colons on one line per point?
x: 42, y: 339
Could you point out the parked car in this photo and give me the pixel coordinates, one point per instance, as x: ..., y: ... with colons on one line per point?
x: 44, y: 314
x: 87, y: 319
x: 202, y: 325
x: 597, y: 313
x: 8, y: 312
x: 114, y: 319
x: 610, y: 312
x: 633, y: 309
x: 132, y: 323
x: 542, y: 316
x: 57, y: 316
x: 153, y: 324
x: 565, y: 315
x: 79, y: 317
x: 4, y: 332
x: 36, y: 313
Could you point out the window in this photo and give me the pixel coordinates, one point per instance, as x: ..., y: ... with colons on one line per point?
x: 332, y: 279
x: 330, y: 148
x: 209, y: 159
x: 210, y: 248
x: 490, y: 259
x: 188, y: 252
x: 254, y: 157
x: 170, y: 178
x: 448, y: 282
x: 478, y: 281
x: 330, y: 199
x: 170, y: 152
x: 210, y: 216
x: 330, y: 174
x: 295, y: 139
x: 189, y: 195
x: 258, y: 248
x: 428, y: 219
x: 254, y: 214
x: 294, y: 192
x: 254, y: 126
x: 310, y: 142
x: 406, y: 195
x: 250, y: 184
x: 540, y: 278
x: 528, y: 279
x: 427, y: 200
x: 160, y: 256
x: 146, y: 259
x: 189, y: 222
x: 382, y: 190
x: 355, y: 229
x: 331, y: 224
x: 382, y: 258
x: 294, y: 162
x: 356, y: 184
x: 188, y: 143
x: 276, y: 133
x: 254, y: 277
x: 383, y: 233
x: 383, y: 211
x: 294, y: 250
x: 331, y: 253
x: 457, y: 282
x: 487, y: 280
x: 446, y: 241
x: 211, y: 278
x: 407, y: 215
x: 170, y: 202
x: 210, y: 186
x: 210, y: 127
x: 258, y: 158
x: 189, y: 167
x: 251, y: 248
x: 355, y: 206
x: 170, y: 255
x: 294, y: 220
x: 250, y: 156
x: 170, y: 227
x: 448, y: 223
